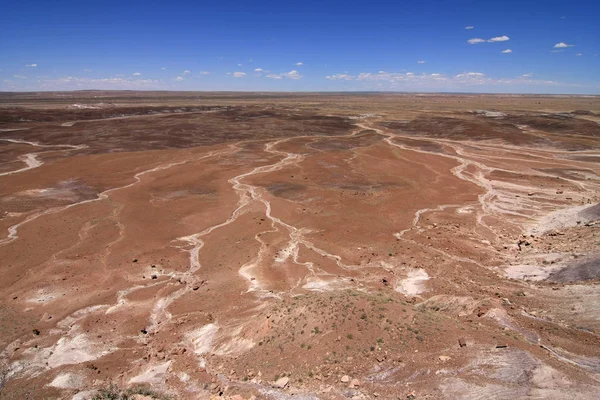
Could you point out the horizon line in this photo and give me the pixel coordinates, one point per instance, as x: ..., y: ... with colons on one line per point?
x: 302, y: 92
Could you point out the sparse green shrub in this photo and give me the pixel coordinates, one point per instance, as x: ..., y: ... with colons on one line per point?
x: 114, y: 392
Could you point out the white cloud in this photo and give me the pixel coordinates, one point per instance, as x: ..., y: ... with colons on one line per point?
x: 136, y: 74
x: 470, y: 75
x: 259, y: 70
x: 421, y: 62
x: 523, y: 80
x: 562, y: 45
x: 239, y: 74
x: 469, y: 27
x: 180, y: 78
x: 339, y: 77
x: 83, y: 83
x: 72, y: 82
x: 240, y: 65
x: 20, y: 76
x: 122, y: 80
x: 293, y: 74
x: 187, y: 71
x: 411, y: 81
x: 204, y: 73
x: 507, y: 51
x: 299, y: 63
x: 394, y: 78
x: 492, y: 40
x: 475, y: 41
x: 579, y: 54
x: 499, y: 39
x: 471, y: 78
x: 31, y: 65
x: 408, y: 81
x: 163, y: 68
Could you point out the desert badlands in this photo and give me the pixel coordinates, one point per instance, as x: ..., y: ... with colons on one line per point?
x: 299, y: 246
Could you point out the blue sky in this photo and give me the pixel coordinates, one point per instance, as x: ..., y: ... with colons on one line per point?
x: 543, y: 46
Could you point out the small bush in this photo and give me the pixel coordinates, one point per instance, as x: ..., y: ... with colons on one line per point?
x: 114, y: 392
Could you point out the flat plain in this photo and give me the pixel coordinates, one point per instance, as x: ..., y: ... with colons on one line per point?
x: 299, y: 246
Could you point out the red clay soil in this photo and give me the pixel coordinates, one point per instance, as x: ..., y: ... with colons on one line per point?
x: 317, y: 246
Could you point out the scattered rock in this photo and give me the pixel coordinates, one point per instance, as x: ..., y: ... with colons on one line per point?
x: 444, y: 358
x: 213, y: 386
x: 281, y: 382
x: 345, y: 379
x: 462, y: 342
x: 355, y: 383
